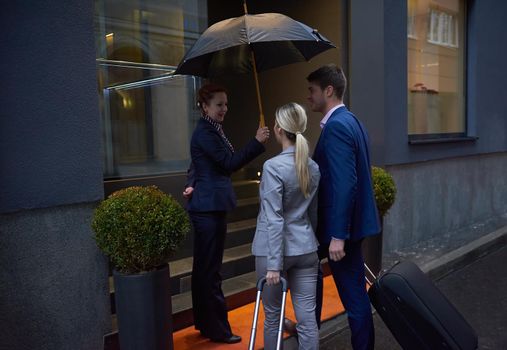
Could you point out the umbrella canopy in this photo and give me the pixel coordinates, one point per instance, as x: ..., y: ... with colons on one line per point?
x: 275, y: 40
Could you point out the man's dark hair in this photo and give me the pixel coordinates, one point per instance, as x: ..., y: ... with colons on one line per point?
x: 329, y: 75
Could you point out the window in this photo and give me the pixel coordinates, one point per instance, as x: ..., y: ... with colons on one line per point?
x: 443, y: 28
x: 435, y: 31
x: 147, y: 113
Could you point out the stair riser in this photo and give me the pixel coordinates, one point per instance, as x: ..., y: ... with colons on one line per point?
x: 234, y: 239
x: 246, y: 174
x: 243, y: 212
x: 182, y: 283
x: 247, y: 190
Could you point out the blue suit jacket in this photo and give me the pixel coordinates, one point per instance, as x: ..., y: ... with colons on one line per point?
x: 346, y: 208
x: 213, y: 162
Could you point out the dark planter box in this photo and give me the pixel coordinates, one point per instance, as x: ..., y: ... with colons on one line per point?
x: 143, y: 309
x: 372, y: 251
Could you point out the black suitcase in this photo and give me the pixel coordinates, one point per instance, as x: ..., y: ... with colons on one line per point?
x: 417, y: 313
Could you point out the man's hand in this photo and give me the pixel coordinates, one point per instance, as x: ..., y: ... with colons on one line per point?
x: 336, y: 249
x: 272, y: 277
x: 188, y: 192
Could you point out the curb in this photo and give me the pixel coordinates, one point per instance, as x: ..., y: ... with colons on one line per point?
x: 466, y: 254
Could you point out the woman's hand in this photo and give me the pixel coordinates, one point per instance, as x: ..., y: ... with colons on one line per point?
x: 188, y: 192
x: 262, y: 134
x: 272, y: 277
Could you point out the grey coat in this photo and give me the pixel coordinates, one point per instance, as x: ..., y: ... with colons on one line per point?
x: 287, y: 220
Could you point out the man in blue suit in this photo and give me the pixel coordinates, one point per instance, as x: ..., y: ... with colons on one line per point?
x: 346, y: 211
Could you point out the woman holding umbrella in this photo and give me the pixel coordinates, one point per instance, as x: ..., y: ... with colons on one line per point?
x: 211, y: 196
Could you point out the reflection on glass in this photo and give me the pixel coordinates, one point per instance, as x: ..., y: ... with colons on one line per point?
x: 435, y: 67
x: 148, y: 114
x: 148, y: 126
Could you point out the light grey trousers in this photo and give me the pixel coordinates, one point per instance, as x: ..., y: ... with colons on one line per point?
x: 301, y: 274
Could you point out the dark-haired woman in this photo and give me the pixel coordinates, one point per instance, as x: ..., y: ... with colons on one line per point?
x: 211, y: 196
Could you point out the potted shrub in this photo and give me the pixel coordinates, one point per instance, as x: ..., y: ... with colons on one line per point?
x: 384, y: 189
x: 139, y: 228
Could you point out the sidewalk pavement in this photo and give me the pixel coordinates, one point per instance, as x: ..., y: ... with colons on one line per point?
x: 441, y: 258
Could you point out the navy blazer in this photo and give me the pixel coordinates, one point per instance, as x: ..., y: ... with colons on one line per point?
x: 346, y: 208
x: 213, y: 162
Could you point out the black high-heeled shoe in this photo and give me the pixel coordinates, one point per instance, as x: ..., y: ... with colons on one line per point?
x: 233, y: 339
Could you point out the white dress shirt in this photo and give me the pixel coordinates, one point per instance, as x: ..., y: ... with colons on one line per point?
x: 328, y: 114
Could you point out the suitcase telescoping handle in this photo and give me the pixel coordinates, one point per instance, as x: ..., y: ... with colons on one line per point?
x: 260, y: 286
x: 373, y: 276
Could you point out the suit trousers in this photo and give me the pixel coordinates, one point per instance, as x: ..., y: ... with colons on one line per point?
x: 208, y: 301
x: 349, y: 278
x: 301, y: 274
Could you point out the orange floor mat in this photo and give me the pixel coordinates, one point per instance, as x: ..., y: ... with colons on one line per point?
x: 241, y: 323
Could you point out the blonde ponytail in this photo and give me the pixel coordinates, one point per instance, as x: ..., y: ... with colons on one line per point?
x: 302, y: 164
x: 292, y: 119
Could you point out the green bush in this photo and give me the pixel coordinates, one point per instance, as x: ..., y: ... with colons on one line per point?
x: 384, y: 188
x: 139, y: 228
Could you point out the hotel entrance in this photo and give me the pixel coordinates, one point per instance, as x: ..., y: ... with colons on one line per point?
x: 148, y: 113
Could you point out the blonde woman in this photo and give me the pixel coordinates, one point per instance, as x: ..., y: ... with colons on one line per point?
x: 284, y: 242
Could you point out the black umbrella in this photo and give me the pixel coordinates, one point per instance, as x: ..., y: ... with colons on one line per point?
x: 252, y: 42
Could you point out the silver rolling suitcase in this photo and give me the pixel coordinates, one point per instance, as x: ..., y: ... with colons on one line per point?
x: 260, y: 285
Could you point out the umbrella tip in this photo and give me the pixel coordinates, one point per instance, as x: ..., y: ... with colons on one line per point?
x: 319, y: 37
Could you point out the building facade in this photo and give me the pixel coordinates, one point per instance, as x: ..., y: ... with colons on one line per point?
x: 89, y: 105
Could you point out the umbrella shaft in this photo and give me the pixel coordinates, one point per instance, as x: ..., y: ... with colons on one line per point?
x: 261, y: 112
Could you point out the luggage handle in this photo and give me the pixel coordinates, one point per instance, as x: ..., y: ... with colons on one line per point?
x: 370, y: 283
x: 262, y: 281
x: 260, y: 286
x: 374, y: 277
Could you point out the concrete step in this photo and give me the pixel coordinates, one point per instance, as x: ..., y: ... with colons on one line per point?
x: 240, y: 232
x: 238, y: 291
x: 237, y: 249
x: 247, y: 208
x: 246, y: 173
x: 236, y: 261
x: 246, y: 188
